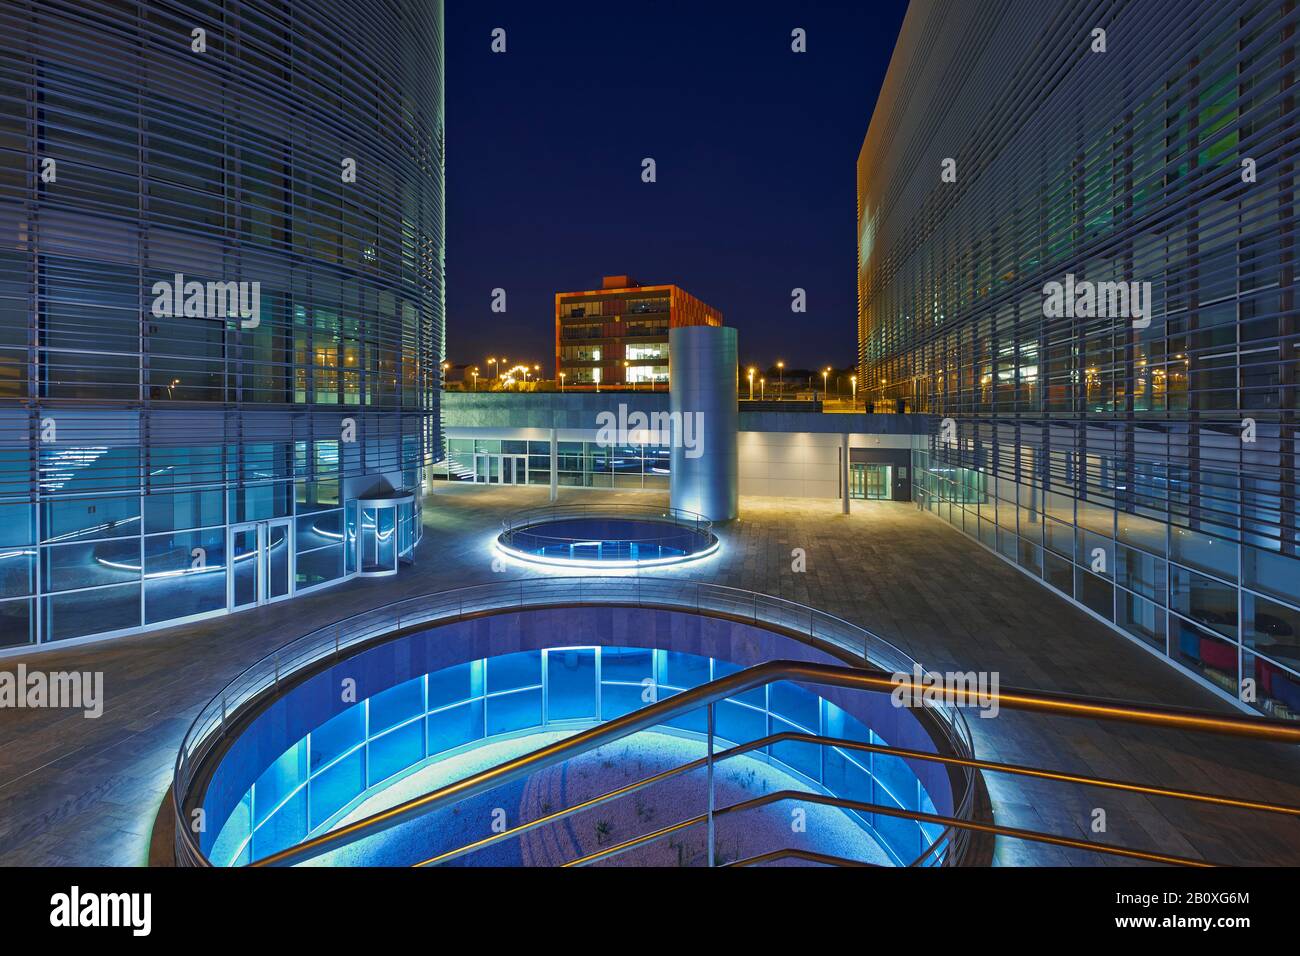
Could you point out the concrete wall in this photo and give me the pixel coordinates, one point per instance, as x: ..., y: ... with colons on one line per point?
x: 806, y: 464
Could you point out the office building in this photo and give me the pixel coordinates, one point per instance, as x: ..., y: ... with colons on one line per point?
x: 618, y: 334
x: 1077, y: 255
x: 221, y: 304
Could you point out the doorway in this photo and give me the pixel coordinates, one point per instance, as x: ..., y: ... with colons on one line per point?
x: 870, y: 481
x: 261, y: 563
x: 386, y: 533
x: 492, y: 469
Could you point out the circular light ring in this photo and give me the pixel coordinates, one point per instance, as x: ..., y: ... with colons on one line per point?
x: 676, y: 560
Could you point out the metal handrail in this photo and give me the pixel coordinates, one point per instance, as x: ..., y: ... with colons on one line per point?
x: 638, y: 720
x: 623, y: 791
x: 802, y: 672
x: 790, y: 736
x: 860, y: 806
x: 527, y: 520
x: 252, y: 685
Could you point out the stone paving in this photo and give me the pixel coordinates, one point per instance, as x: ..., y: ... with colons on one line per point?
x: 77, y: 791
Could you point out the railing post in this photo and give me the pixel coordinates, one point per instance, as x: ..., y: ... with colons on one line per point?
x: 710, y: 784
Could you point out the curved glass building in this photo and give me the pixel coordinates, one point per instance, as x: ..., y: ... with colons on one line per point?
x: 1135, y: 448
x: 221, y: 304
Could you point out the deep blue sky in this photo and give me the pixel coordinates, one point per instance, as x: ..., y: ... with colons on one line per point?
x: 756, y: 149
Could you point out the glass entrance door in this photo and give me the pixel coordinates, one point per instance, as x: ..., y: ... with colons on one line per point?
x: 878, y: 481
x: 514, y: 470
x: 487, y: 469
x: 386, y: 533
x: 261, y: 562
x: 492, y: 469
x: 245, y: 570
x: 377, y: 546
x: 870, y: 481
x: 278, y: 556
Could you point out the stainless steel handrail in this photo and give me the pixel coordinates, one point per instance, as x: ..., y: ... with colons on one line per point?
x: 265, y: 676
x: 607, y: 510
x: 588, y: 740
x: 630, y: 788
x: 525, y: 521
x: 806, y: 673
x: 860, y: 806
x: 793, y: 736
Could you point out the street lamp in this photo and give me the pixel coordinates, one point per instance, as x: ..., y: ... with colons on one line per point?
x: 561, y: 381
x: 762, y: 388
x: 853, y: 382
x: 474, y: 372
x: 826, y: 371
x: 625, y: 376
x: 496, y: 369
x: 780, y: 371
x: 751, y: 384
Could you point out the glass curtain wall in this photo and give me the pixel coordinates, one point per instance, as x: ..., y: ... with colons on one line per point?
x: 581, y: 464
x: 1143, y: 465
x: 139, y: 440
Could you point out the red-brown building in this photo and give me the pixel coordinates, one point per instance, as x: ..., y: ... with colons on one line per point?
x: 618, y: 334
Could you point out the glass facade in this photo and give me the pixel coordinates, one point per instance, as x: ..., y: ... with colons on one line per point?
x: 618, y: 335
x: 160, y: 462
x: 581, y: 464
x: 316, y: 781
x: 1141, y: 462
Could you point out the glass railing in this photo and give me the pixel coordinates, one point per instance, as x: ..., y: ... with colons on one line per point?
x: 628, y: 534
x: 265, y: 677
x: 348, y: 760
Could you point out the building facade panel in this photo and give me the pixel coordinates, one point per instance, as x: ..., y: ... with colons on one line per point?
x: 221, y: 302
x: 1076, y: 253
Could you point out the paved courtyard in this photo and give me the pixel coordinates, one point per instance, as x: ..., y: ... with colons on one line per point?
x: 77, y: 791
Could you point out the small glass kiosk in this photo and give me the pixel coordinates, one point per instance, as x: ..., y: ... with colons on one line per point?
x: 387, y: 530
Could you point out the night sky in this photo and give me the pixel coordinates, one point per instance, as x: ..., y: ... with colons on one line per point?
x: 756, y: 149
